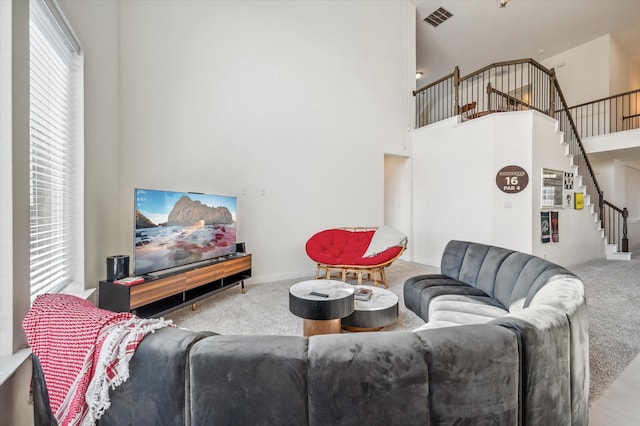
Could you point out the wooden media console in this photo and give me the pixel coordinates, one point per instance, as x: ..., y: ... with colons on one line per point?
x: 157, y: 296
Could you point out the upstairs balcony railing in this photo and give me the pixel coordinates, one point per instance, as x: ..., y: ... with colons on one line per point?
x: 504, y: 86
x: 512, y: 86
x: 608, y: 115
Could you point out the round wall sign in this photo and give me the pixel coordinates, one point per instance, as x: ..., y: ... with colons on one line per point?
x: 512, y: 179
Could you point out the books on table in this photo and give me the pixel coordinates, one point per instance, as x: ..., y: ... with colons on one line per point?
x: 362, y: 293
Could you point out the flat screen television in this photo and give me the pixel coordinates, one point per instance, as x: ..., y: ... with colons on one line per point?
x: 174, y: 229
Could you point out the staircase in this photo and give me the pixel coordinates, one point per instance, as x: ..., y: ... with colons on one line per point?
x: 526, y: 85
x: 611, y: 252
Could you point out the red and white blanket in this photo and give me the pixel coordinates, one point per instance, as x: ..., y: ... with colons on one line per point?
x: 84, y: 351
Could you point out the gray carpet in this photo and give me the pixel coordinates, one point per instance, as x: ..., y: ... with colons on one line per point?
x: 264, y: 309
x: 613, y: 299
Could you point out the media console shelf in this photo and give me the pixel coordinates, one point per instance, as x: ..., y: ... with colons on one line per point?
x: 157, y: 296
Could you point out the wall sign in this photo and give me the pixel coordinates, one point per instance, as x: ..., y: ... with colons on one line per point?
x: 512, y: 179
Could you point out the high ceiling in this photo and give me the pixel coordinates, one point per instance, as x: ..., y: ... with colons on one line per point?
x: 480, y: 33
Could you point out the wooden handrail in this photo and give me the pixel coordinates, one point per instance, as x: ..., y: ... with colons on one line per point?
x: 606, y: 99
x: 511, y: 99
x: 435, y: 83
x: 507, y: 63
x: 616, y: 208
x: 575, y: 131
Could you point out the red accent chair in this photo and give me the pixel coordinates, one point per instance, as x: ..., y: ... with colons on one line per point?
x: 341, y: 251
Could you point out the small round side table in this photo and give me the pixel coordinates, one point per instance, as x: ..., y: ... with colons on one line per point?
x: 374, y: 314
x: 322, y: 304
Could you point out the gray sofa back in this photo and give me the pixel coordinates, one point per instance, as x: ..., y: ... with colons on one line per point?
x: 512, y: 278
x: 463, y: 375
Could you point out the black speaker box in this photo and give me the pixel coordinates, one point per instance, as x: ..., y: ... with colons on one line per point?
x: 240, y: 248
x: 117, y: 267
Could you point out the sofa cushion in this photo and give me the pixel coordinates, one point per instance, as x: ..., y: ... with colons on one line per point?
x: 435, y: 324
x: 368, y: 379
x: 228, y: 371
x: 489, y: 270
x: 429, y: 293
x: 414, y: 286
x: 465, y: 309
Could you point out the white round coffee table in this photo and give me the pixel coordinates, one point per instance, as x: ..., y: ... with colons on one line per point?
x: 321, y: 303
x: 371, y: 315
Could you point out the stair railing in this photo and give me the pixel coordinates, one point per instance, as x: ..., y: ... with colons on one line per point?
x: 576, y: 149
x: 608, y: 115
x: 437, y: 101
x: 508, y: 86
x: 616, y: 226
x: 514, y: 86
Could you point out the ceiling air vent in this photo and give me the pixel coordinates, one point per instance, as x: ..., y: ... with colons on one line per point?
x: 438, y: 17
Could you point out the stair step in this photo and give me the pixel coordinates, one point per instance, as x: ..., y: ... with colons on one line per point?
x: 619, y: 255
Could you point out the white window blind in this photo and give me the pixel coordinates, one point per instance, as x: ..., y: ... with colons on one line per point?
x: 54, y: 140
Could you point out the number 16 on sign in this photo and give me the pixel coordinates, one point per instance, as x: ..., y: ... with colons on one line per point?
x: 512, y: 179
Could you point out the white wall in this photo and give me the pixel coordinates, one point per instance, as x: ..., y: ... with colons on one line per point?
x: 96, y: 25
x: 512, y: 213
x: 632, y: 187
x: 605, y: 174
x: 583, y: 72
x: 594, y: 70
x: 618, y: 181
x: 299, y: 98
x: 621, y: 186
x: 452, y: 183
x: 624, y: 71
x: 455, y: 195
x: 14, y: 211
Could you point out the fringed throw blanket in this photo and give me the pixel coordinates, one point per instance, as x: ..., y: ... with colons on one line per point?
x: 84, y: 351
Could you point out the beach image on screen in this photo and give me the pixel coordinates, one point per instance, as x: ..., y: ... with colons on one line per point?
x: 178, y: 228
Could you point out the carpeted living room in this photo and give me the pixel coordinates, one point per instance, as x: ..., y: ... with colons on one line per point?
x: 304, y: 114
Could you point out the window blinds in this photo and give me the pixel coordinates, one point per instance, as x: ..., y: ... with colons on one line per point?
x: 54, y: 84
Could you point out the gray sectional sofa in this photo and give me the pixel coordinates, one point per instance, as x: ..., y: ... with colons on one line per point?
x: 542, y: 304
x: 507, y: 345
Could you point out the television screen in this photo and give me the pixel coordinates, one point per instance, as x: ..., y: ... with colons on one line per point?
x: 174, y: 229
